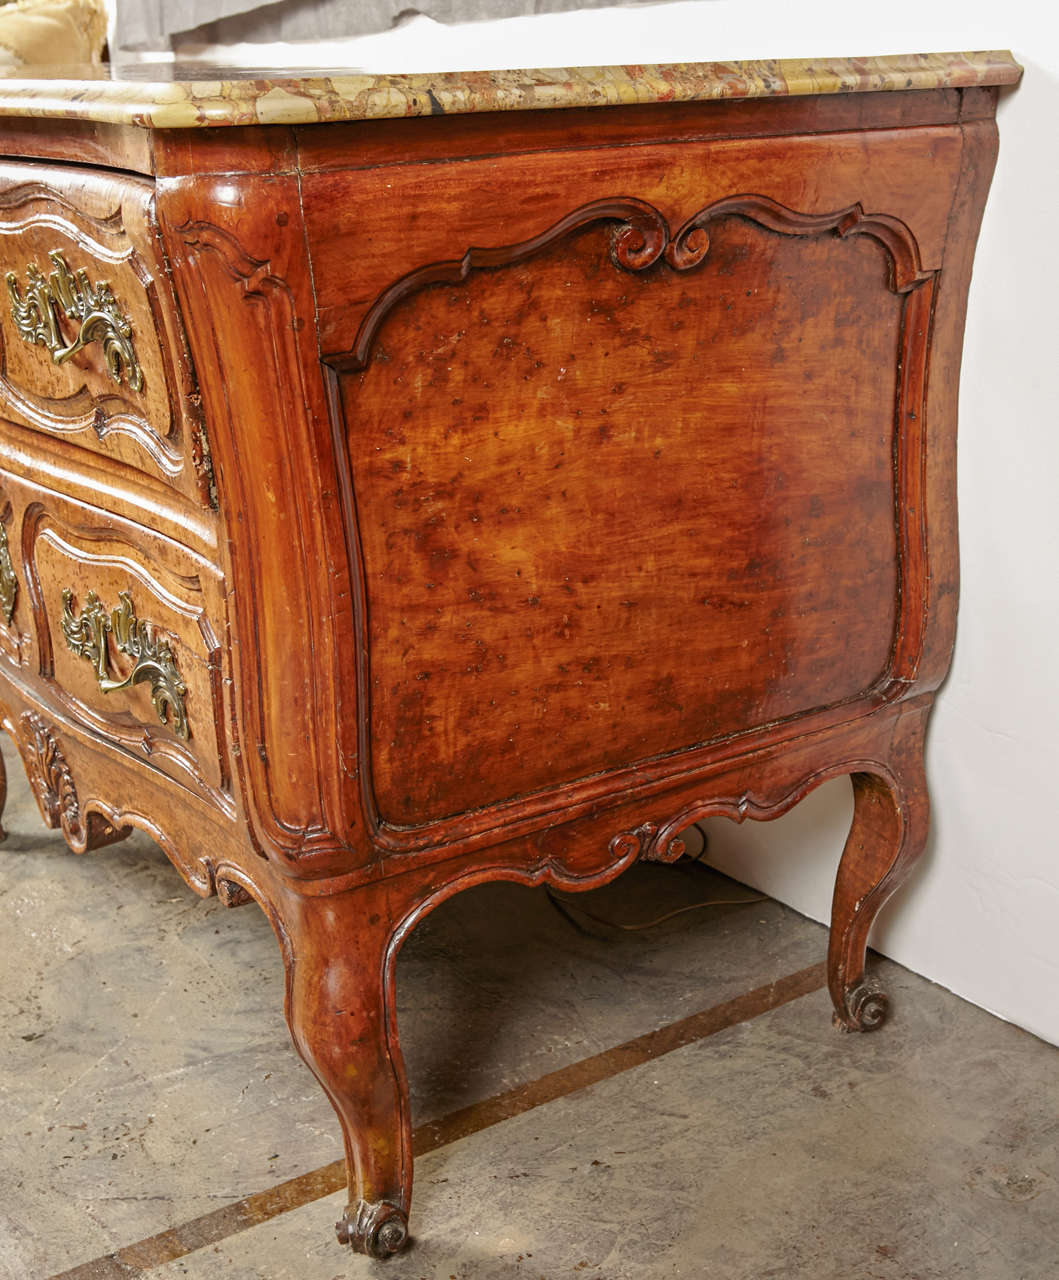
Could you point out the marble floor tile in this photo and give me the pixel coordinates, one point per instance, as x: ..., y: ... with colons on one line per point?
x: 776, y: 1150
x: 146, y: 1073
x: 146, y: 1077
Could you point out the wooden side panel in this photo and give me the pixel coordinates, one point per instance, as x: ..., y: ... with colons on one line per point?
x: 378, y: 728
x: 608, y: 514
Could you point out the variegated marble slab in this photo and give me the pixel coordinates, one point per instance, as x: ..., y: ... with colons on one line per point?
x: 190, y: 99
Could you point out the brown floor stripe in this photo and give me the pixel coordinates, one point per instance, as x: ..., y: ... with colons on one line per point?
x: 136, y: 1259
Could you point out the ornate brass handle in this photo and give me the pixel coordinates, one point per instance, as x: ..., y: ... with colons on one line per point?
x: 92, y: 306
x: 8, y: 579
x: 87, y: 637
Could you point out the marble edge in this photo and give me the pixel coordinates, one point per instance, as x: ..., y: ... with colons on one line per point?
x: 330, y: 96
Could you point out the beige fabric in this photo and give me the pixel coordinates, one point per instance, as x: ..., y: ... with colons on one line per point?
x: 161, y: 24
x: 55, y: 32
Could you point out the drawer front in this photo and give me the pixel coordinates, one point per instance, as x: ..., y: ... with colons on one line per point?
x: 91, y: 345
x: 120, y: 629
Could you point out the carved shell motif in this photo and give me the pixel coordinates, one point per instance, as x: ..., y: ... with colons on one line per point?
x: 53, y: 785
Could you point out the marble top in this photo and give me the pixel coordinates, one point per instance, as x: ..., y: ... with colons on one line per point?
x: 184, y: 96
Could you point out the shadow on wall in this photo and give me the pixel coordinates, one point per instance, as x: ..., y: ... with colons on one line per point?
x: 793, y: 858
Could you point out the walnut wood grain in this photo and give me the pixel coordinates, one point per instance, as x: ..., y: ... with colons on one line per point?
x: 365, y: 144
x: 561, y: 480
x: 505, y: 655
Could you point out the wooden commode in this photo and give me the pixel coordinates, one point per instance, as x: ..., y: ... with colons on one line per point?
x: 410, y: 481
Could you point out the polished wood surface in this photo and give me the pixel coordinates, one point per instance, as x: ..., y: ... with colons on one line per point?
x: 503, y: 495
x: 505, y: 655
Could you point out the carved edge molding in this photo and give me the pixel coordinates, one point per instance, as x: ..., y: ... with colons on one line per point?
x: 659, y: 841
x: 642, y: 239
x: 23, y: 193
x: 260, y: 285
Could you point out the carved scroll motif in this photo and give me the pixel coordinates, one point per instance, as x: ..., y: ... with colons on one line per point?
x: 53, y: 784
x: 644, y: 843
x: 153, y: 659
x: 641, y: 237
x: 92, y: 307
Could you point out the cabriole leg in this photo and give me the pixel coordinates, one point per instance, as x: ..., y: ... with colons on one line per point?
x: 890, y: 820
x: 340, y: 1010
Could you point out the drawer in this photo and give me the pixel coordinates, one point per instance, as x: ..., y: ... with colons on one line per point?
x: 91, y: 345
x: 120, y: 629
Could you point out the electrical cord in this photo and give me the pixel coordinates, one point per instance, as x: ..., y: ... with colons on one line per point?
x: 565, y: 905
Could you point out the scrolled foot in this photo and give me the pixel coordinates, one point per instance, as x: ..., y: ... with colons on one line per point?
x: 379, y: 1230
x: 866, y: 1009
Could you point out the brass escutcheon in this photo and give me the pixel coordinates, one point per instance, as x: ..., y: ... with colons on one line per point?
x: 153, y: 659
x: 92, y: 307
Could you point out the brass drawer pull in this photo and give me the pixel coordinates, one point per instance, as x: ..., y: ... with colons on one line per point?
x: 8, y: 579
x: 87, y: 637
x: 93, y: 306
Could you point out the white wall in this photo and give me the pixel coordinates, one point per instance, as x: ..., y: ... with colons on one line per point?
x: 982, y: 915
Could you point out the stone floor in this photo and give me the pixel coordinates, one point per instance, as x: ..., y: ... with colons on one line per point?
x: 146, y: 1080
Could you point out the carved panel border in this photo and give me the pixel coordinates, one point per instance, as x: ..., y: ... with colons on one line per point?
x: 641, y: 238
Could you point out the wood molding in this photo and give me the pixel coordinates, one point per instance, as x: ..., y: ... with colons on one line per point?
x: 643, y: 237
x: 293, y: 775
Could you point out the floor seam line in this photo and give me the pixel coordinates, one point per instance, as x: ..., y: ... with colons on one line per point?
x: 136, y: 1260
